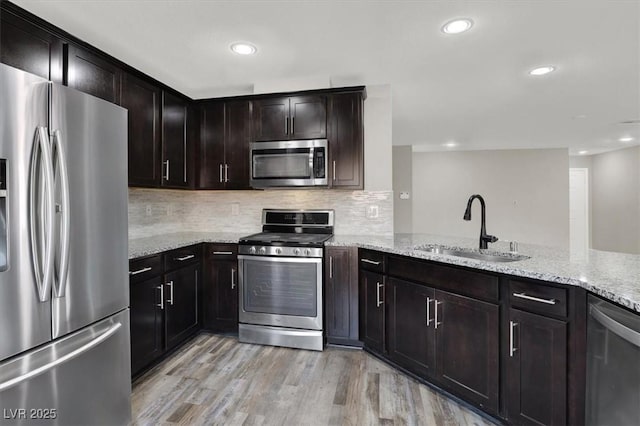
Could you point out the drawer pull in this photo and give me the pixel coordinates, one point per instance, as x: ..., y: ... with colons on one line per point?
x: 183, y: 258
x: 139, y: 271
x: 535, y: 299
x: 373, y: 262
x: 223, y: 253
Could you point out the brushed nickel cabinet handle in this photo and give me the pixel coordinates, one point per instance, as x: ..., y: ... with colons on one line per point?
x: 166, y: 176
x: 139, y: 271
x: 435, y: 319
x: 161, y: 304
x: 330, y: 266
x: 226, y: 173
x: 220, y: 172
x: 334, y: 169
x: 512, y: 348
x: 428, y: 313
x: 535, y: 299
x: 183, y: 258
x: 233, y: 278
x: 372, y: 262
x: 221, y: 253
x: 170, y: 301
x: 379, y: 301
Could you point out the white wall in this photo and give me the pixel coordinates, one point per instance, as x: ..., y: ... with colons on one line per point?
x: 616, y: 200
x: 526, y: 191
x: 377, y: 139
x: 402, y: 211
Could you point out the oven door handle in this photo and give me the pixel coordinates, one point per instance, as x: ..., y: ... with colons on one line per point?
x: 280, y: 259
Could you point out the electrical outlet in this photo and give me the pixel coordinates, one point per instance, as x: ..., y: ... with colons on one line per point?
x: 404, y: 195
x: 148, y: 210
x: 235, y: 209
x: 372, y: 212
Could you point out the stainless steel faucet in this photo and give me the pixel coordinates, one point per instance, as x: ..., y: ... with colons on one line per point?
x: 484, y: 237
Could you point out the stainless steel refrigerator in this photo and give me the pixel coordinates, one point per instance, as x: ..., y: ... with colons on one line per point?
x: 64, y: 317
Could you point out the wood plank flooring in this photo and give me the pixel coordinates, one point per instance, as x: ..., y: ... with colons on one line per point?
x: 216, y: 380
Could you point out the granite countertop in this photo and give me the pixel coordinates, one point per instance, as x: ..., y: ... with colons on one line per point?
x: 146, y: 246
x: 614, y: 276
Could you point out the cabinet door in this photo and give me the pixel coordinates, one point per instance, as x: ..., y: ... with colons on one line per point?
x: 181, y: 304
x: 346, y: 141
x: 142, y: 100
x: 308, y: 117
x: 372, y: 310
x: 271, y: 119
x: 92, y: 74
x: 146, y: 323
x: 467, y: 342
x: 236, y: 144
x: 174, y: 141
x: 411, y: 326
x: 212, y: 134
x: 341, y: 298
x: 536, y: 360
x: 221, y: 295
x: 29, y: 48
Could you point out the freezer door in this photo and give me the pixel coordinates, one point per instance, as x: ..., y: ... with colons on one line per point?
x: 81, y: 379
x: 89, y: 140
x: 25, y: 313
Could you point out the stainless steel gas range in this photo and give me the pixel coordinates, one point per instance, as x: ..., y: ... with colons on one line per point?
x: 280, y: 279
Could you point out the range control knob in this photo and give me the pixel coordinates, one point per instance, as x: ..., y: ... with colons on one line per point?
x: 252, y: 250
x: 296, y: 251
x: 263, y: 250
x: 307, y: 252
x: 278, y: 250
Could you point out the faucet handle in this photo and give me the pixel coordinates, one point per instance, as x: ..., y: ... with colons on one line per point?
x: 492, y: 238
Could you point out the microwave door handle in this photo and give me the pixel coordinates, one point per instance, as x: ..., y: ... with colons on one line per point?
x: 312, y: 171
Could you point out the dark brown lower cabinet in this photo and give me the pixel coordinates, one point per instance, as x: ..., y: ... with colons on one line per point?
x: 181, y: 304
x: 467, y: 344
x: 411, y: 326
x: 147, y: 323
x: 536, y: 360
x: 220, y: 307
x: 372, y: 310
x: 341, y: 295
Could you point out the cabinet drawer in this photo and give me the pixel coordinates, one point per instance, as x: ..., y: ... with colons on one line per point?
x: 221, y: 251
x: 181, y: 257
x: 371, y: 260
x: 539, y: 298
x: 457, y: 280
x: 143, y: 268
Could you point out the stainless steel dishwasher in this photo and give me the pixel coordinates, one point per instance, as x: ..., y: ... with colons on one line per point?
x: 613, y: 365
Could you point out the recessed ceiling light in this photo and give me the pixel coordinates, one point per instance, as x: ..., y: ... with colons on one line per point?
x: 542, y: 70
x: 626, y: 139
x: 450, y: 144
x: 457, y: 26
x: 242, y: 48
x: 583, y: 152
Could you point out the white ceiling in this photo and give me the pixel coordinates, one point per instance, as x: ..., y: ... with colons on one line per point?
x: 470, y: 88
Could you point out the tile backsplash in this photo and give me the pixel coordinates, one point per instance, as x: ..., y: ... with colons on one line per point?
x: 158, y: 211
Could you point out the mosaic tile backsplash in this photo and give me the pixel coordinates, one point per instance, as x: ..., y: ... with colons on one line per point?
x: 159, y: 211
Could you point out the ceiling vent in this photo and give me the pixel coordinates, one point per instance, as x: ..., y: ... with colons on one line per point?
x: 637, y: 121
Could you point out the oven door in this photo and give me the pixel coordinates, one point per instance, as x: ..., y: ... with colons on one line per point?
x: 281, y: 291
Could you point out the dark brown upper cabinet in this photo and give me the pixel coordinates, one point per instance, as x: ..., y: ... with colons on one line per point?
x: 225, y: 134
x: 142, y: 100
x: 29, y: 48
x: 346, y: 141
x: 92, y: 74
x: 296, y: 117
x: 175, y: 150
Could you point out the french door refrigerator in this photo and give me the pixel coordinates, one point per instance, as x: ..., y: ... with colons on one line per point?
x: 64, y: 317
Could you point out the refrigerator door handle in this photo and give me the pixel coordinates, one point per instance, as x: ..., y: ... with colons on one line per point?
x: 61, y: 360
x: 61, y: 165
x: 43, y: 200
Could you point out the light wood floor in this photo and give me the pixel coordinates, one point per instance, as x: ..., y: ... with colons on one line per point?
x: 216, y: 380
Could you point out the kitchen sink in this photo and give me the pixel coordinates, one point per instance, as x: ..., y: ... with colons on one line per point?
x: 488, y: 256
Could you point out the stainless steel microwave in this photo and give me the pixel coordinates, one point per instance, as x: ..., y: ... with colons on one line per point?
x: 289, y: 163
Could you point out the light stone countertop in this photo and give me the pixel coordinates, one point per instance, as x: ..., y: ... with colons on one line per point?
x: 147, y: 246
x: 614, y: 276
